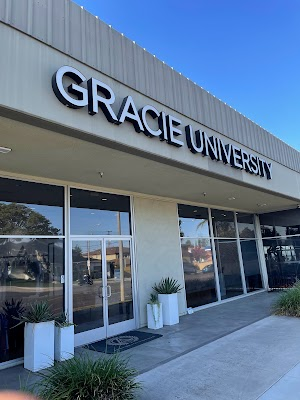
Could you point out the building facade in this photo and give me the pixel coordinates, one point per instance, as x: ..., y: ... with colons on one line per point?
x: 122, y: 172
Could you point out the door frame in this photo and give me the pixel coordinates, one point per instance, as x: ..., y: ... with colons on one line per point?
x: 107, y: 330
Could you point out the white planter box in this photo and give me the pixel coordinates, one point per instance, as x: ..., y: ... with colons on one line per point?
x: 64, y: 343
x: 154, y: 316
x: 38, y: 345
x: 169, y: 308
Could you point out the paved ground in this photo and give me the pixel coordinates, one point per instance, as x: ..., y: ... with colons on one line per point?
x: 288, y: 387
x: 232, y: 351
x: 199, y: 329
x: 260, y: 361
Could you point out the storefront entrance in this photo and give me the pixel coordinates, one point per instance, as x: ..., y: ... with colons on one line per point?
x: 102, y: 288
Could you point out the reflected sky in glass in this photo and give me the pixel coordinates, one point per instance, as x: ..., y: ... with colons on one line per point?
x: 99, y: 222
x: 194, y: 227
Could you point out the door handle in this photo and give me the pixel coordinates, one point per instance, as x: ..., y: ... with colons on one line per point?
x: 100, y: 291
x: 108, y: 291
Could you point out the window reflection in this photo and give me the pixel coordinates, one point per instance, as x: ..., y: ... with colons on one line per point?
x: 198, y: 264
x: 198, y: 272
x: 193, y: 221
x: 30, y: 271
x: 223, y: 223
x: 95, y: 213
x: 283, y: 260
x: 251, y: 265
x: 245, y: 225
x: 229, y: 268
x: 28, y: 208
x: 88, y: 274
x: 282, y: 252
x: 119, y: 278
x: 87, y: 285
x: 281, y: 223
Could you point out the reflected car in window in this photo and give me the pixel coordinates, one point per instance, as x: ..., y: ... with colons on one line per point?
x: 208, y: 268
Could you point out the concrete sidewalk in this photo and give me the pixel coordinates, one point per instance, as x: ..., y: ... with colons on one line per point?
x: 233, y: 351
x: 260, y: 361
x: 193, y: 331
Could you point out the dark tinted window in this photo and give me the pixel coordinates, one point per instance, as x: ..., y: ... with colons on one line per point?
x: 280, y: 223
x: 28, y: 208
x: 223, y: 223
x: 245, y: 225
x: 282, y: 260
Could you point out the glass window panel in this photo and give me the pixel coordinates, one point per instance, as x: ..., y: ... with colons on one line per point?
x: 268, y: 231
x: 228, y: 268
x: 283, y: 260
x: 251, y: 265
x: 280, y: 223
x: 119, y: 279
x: 30, y: 271
x: 245, y: 225
x: 193, y: 221
x: 28, y: 208
x: 87, y: 285
x: 95, y: 213
x: 223, y: 223
x: 198, y: 272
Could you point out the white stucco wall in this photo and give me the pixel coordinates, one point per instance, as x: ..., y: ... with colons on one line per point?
x: 158, y: 252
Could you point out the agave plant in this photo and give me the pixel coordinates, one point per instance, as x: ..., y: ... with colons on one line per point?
x: 13, y: 310
x: 38, y: 312
x: 167, y: 286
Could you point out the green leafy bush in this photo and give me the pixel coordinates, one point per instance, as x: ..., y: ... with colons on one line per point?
x: 167, y: 286
x: 289, y: 302
x: 83, y: 378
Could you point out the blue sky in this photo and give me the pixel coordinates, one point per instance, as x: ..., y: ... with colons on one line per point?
x: 246, y: 53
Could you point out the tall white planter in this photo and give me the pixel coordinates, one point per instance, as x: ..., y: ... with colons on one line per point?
x: 169, y: 308
x: 154, y: 316
x: 64, y: 343
x: 38, y: 345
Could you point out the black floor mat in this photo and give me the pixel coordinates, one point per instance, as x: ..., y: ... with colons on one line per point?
x: 122, y: 342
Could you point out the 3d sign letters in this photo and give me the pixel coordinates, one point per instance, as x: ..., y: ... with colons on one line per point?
x: 98, y: 94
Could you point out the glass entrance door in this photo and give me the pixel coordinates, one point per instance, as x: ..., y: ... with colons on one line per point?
x: 119, y: 285
x: 102, y: 288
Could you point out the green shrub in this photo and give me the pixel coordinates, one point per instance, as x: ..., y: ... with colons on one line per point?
x: 83, y: 378
x: 289, y: 302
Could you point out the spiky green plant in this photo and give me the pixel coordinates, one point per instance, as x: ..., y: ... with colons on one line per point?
x: 37, y: 312
x: 153, y: 299
x: 61, y: 321
x: 289, y: 302
x: 167, y: 286
x: 14, y: 309
x: 83, y: 378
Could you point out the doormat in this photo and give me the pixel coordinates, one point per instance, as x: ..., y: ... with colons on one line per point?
x: 122, y: 342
